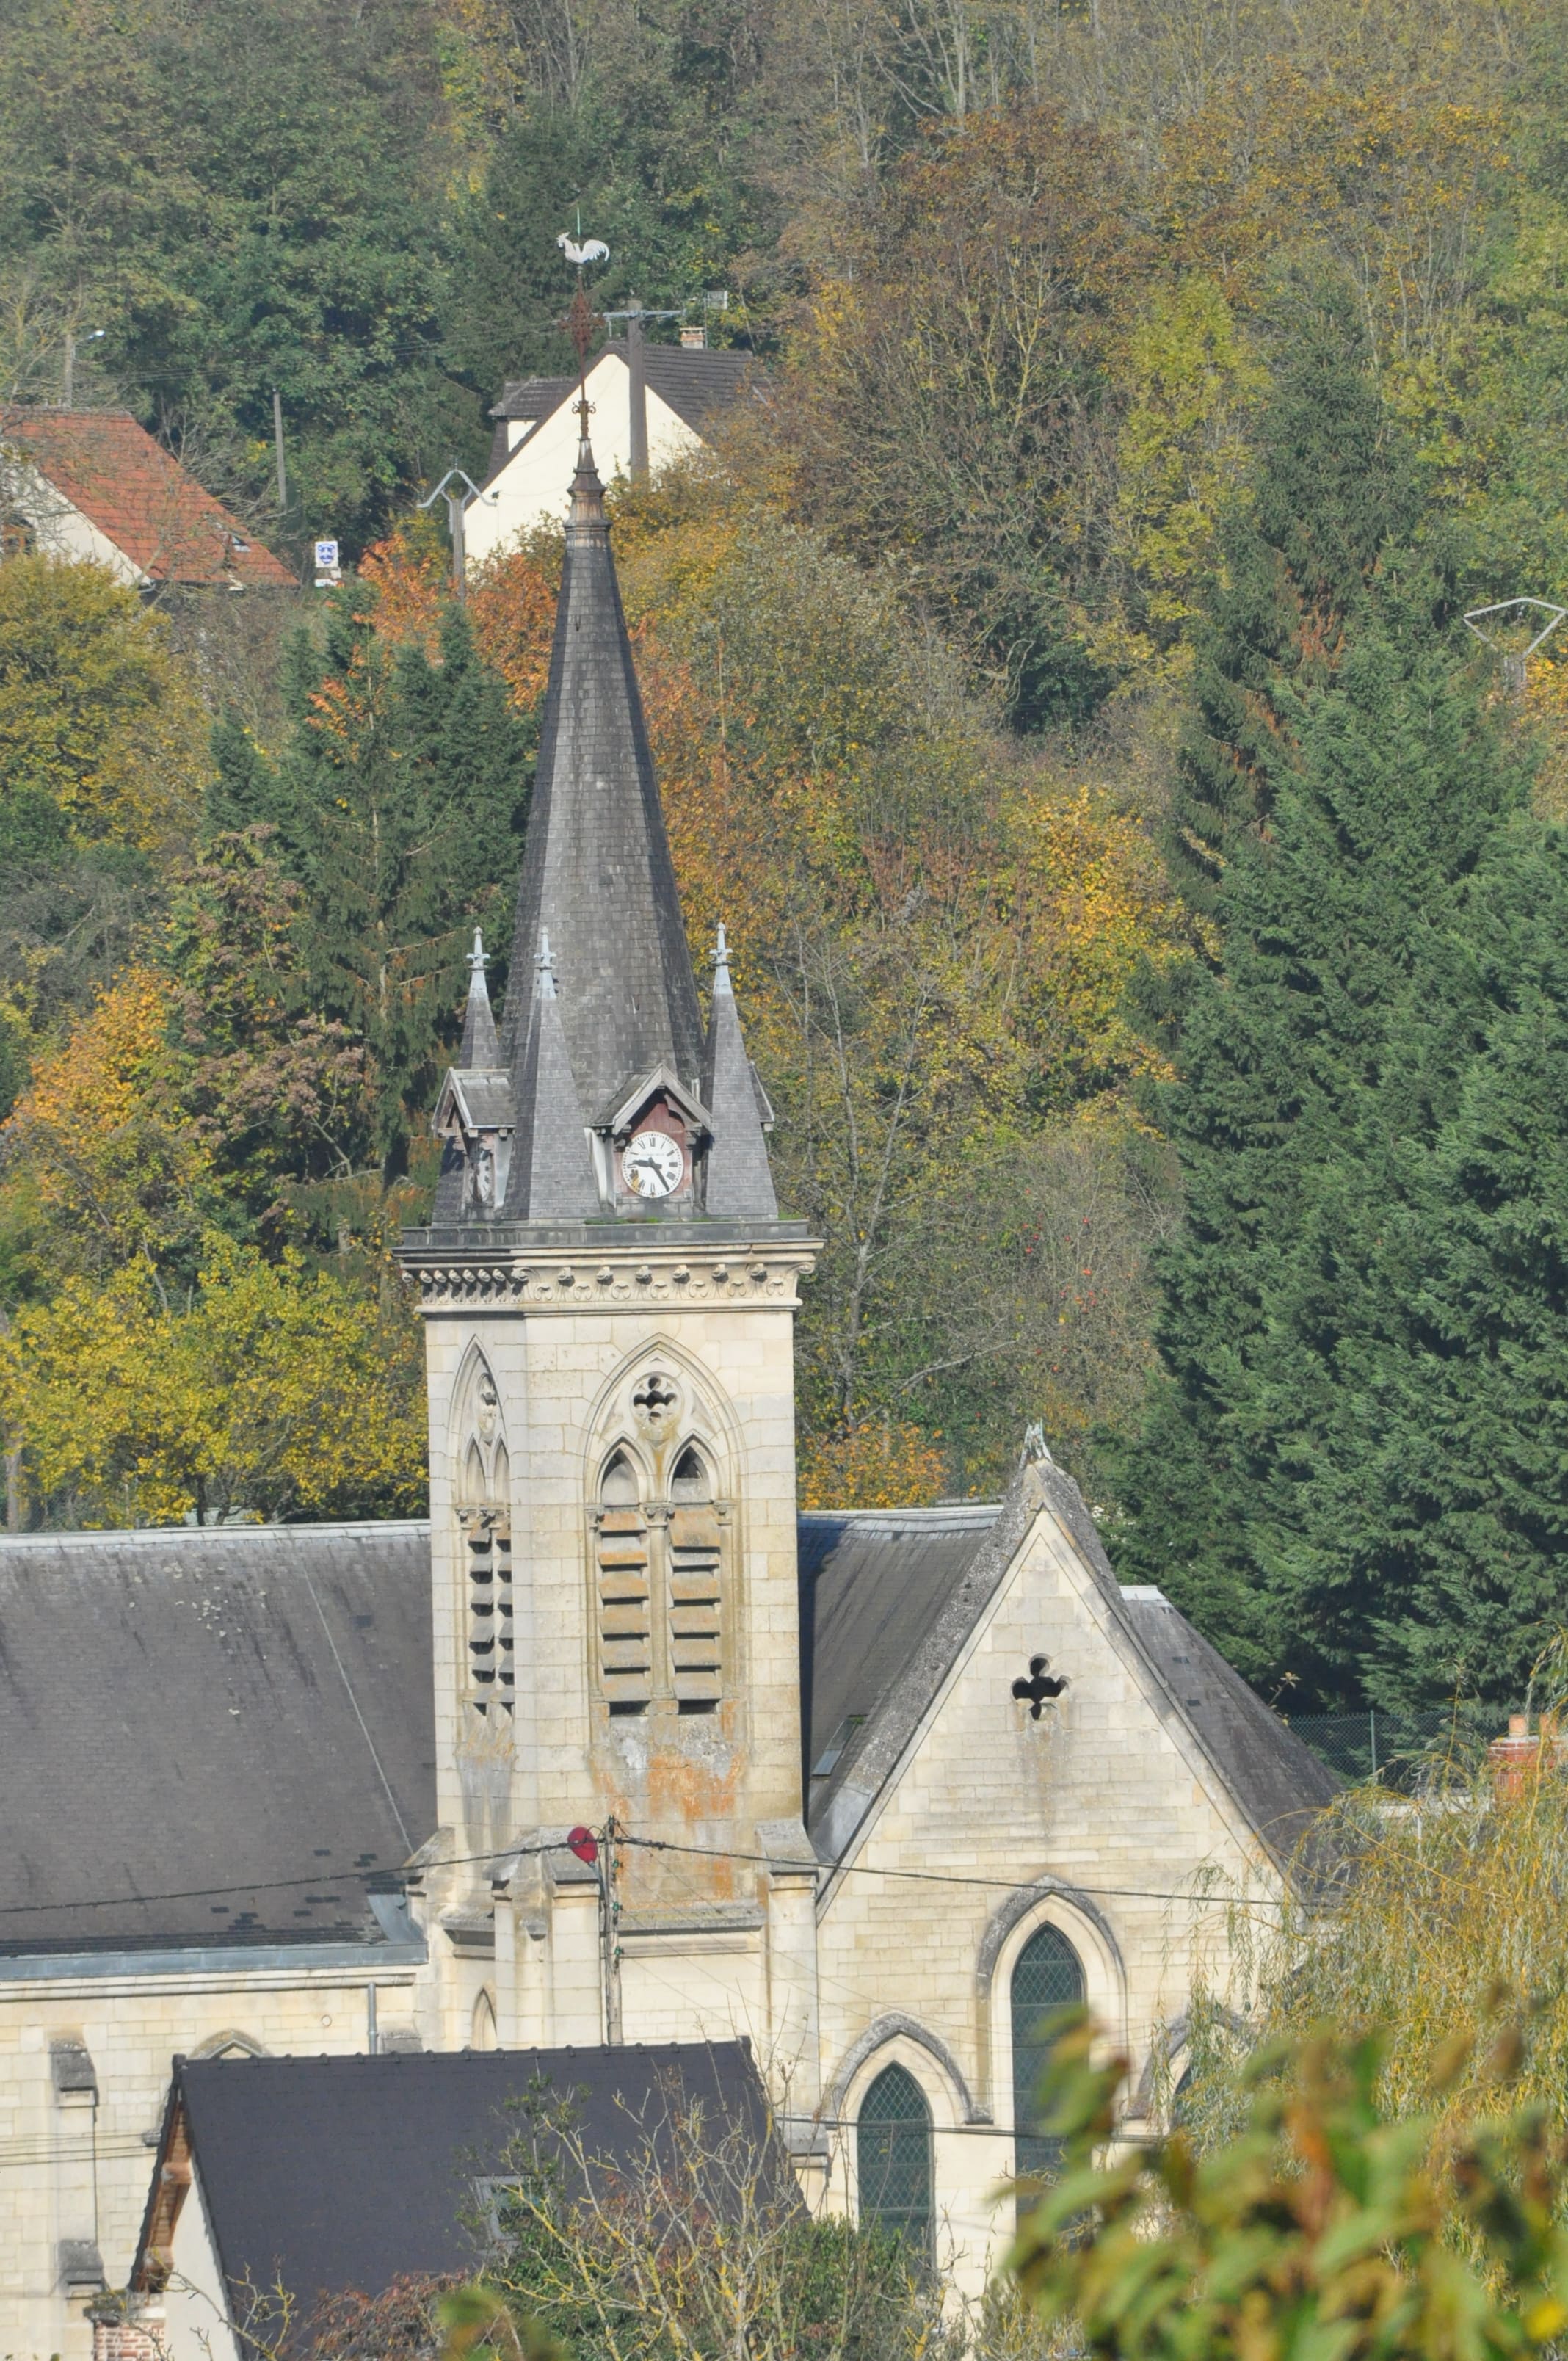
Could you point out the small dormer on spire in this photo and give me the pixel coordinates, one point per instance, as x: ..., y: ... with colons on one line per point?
x: 740, y: 1180
x: 481, y: 1044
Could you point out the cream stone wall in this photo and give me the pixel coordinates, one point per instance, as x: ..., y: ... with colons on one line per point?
x: 70, y: 2170
x: 566, y: 1370
x: 1105, y: 1804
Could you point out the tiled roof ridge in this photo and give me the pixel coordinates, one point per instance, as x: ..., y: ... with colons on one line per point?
x: 140, y: 497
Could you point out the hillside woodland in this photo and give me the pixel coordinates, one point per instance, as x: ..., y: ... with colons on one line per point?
x: 1150, y: 901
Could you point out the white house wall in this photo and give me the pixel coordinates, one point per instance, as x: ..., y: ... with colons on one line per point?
x: 535, y: 486
x: 132, y: 2025
x: 62, y: 531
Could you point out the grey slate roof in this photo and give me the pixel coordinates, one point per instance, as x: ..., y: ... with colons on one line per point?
x: 251, y: 1708
x: 739, y: 1179
x: 696, y: 384
x: 328, y: 2173
x: 888, y: 1598
x: 218, y: 1708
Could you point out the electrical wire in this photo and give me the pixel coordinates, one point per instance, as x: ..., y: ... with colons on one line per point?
x: 654, y: 1844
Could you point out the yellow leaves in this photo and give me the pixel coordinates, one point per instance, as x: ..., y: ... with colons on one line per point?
x: 97, y: 716
x: 877, y: 1465
x: 1190, y: 377
x: 273, y: 1390
x: 99, y: 1144
x: 1546, y: 704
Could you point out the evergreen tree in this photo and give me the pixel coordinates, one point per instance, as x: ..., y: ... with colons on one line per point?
x: 399, y: 803
x: 1320, y: 1072
x: 1334, y: 485
x: 1470, y: 1445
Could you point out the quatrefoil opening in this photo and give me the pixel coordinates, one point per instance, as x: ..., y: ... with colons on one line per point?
x: 1040, y: 1685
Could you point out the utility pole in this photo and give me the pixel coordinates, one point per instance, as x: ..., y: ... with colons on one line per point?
x: 278, y: 448
x: 1515, y: 660
x: 92, y: 337
x: 457, y: 502
x: 609, y: 1931
x: 637, y: 375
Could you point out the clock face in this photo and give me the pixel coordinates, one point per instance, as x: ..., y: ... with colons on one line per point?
x: 652, y: 1164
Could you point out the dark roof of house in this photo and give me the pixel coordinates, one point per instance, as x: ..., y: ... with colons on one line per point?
x: 888, y: 1598
x: 695, y: 384
x: 321, y: 2174
x: 216, y: 1709
x: 533, y: 397
x: 142, y: 499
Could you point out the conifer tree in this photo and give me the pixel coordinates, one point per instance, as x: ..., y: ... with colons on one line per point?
x: 1318, y: 1073
x: 1334, y: 485
x: 399, y: 803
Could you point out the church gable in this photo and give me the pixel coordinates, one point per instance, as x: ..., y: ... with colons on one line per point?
x: 1010, y: 1626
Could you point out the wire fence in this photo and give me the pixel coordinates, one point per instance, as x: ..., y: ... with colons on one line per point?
x: 1392, y: 1746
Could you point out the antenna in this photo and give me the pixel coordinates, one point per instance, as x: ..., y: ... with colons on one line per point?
x: 456, y: 504
x: 1515, y: 660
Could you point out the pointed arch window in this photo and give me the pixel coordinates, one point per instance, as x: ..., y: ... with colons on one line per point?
x: 1049, y: 1974
x: 625, y: 1617
x: 485, y: 1518
x: 893, y: 2158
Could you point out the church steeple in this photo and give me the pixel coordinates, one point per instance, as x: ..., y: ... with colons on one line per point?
x: 596, y: 874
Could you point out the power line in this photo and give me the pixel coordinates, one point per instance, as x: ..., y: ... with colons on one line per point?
x: 658, y: 1844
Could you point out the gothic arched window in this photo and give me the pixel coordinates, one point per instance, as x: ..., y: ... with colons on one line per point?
x: 1047, y: 1975
x: 892, y: 2157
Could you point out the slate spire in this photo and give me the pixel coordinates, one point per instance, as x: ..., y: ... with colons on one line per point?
x: 597, y: 872
x: 739, y: 1181
x: 480, y: 1045
x: 552, y: 1175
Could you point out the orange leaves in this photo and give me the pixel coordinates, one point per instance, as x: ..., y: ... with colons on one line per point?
x: 511, y: 604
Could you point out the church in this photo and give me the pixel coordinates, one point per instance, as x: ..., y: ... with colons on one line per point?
x: 618, y: 1747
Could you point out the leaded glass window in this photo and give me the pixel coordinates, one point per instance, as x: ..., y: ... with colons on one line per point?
x: 1047, y: 1976
x: 893, y: 2157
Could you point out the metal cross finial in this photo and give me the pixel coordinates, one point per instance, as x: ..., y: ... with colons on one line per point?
x: 721, y: 952
x: 580, y: 319
x: 478, y: 958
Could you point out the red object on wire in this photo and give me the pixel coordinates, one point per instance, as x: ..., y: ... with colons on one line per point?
x: 583, y: 1843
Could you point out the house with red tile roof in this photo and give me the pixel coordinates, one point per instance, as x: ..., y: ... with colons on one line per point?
x: 92, y: 485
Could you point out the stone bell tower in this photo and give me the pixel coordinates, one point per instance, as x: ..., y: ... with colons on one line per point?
x: 609, y: 1296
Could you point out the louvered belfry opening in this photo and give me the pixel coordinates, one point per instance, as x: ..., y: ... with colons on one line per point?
x: 695, y: 1596
x: 659, y: 1575
x: 487, y: 1547
x: 625, y: 1617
